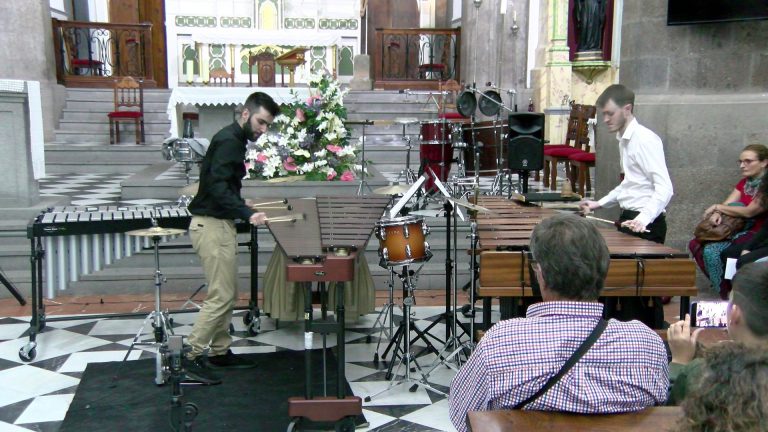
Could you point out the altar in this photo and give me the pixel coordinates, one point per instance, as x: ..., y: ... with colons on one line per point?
x: 216, y: 105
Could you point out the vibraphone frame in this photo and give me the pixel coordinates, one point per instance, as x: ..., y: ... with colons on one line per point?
x: 83, y: 220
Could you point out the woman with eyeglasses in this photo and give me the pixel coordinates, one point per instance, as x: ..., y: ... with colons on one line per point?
x: 744, y: 201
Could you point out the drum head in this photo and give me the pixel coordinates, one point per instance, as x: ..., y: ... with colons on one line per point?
x: 487, y: 104
x: 466, y: 104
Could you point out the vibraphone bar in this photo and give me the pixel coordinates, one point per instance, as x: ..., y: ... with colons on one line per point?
x: 638, y: 267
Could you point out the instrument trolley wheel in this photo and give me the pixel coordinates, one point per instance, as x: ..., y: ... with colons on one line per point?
x: 347, y: 424
x: 28, y: 352
x: 254, y: 327
x: 376, y: 359
x: 247, y: 318
x: 294, y: 425
x: 231, y: 328
x: 190, y: 411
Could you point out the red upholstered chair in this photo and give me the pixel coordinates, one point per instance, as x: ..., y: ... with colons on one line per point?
x: 129, y: 106
x: 576, y: 141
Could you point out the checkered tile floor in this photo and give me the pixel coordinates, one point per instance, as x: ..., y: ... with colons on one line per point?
x: 35, y: 396
x: 90, y: 189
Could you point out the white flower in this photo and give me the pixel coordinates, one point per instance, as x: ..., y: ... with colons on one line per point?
x: 321, y: 153
x: 301, y: 152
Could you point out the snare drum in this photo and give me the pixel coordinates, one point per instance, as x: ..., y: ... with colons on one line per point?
x: 402, y: 241
x: 435, y: 132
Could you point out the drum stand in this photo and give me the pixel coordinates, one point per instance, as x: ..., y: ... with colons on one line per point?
x: 410, y: 176
x: 467, y: 347
x: 386, y: 314
x: 161, y: 324
x: 407, y: 357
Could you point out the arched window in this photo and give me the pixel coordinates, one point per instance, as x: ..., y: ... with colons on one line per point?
x: 268, y: 15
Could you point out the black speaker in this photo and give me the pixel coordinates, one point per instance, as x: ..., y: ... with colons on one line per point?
x: 525, y: 145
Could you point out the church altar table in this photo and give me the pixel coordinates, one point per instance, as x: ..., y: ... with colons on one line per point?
x: 216, y: 105
x: 266, y: 37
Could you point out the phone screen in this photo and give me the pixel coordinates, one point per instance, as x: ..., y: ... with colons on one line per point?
x: 709, y: 314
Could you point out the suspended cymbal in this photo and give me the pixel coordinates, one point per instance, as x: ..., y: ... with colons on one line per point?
x: 395, y: 189
x: 406, y: 120
x: 427, y: 213
x: 155, y: 232
x: 190, y: 189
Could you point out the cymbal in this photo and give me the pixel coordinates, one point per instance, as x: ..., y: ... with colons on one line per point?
x: 155, y: 232
x: 190, y: 189
x: 469, y: 205
x: 406, y: 120
x: 395, y: 189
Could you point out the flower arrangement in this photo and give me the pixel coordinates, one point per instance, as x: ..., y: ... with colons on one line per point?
x: 308, y: 138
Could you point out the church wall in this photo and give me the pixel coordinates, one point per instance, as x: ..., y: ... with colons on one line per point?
x: 30, y: 57
x: 702, y: 89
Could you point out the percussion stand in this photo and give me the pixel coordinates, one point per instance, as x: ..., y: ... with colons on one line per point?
x: 363, y: 182
x: 407, y: 357
x: 160, y: 322
x: 410, y: 176
x: 451, y: 334
x: 467, y: 347
x: 386, y: 314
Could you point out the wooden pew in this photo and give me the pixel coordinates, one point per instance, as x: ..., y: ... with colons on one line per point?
x: 655, y: 419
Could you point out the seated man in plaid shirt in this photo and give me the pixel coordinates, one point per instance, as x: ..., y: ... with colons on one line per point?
x: 625, y: 369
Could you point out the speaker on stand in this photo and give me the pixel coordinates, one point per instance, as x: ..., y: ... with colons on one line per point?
x: 525, y: 145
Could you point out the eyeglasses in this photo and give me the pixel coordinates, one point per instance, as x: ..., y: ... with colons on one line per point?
x: 746, y: 161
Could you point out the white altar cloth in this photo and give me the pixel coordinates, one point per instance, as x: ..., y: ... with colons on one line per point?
x: 214, y: 96
x: 265, y: 37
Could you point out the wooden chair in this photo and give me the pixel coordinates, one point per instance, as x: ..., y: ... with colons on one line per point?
x: 78, y: 65
x: 576, y: 138
x: 129, y: 106
x: 649, y: 419
x: 580, y: 164
x: 220, y: 77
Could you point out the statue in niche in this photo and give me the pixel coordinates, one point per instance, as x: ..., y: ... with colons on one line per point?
x: 590, y: 20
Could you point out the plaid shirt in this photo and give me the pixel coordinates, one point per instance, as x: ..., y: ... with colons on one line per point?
x: 625, y: 370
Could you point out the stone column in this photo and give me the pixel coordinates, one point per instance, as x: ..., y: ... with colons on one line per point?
x: 17, y: 185
x: 361, y: 80
x: 552, y: 81
x: 29, y: 53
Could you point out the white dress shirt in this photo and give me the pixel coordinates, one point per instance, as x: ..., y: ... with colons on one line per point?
x: 646, y: 186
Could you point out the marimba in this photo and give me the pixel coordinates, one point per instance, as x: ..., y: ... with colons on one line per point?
x: 638, y: 267
x: 322, y: 246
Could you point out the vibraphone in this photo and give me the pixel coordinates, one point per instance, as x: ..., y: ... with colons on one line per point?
x: 322, y: 247
x: 638, y: 267
x: 69, y: 242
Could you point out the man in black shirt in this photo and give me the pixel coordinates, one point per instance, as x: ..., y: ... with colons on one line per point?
x: 214, y: 237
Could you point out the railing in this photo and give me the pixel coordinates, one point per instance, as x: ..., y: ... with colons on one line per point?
x: 94, y: 54
x: 416, y: 58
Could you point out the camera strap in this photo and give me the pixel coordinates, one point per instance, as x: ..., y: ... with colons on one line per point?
x: 575, y: 357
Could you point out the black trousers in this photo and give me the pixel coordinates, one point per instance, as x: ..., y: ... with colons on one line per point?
x: 649, y: 310
x: 752, y: 256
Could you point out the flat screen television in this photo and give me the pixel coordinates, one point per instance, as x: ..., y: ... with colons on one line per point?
x: 708, y: 11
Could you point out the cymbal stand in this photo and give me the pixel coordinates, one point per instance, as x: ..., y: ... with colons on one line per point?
x: 160, y: 322
x: 407, y: 357
x: 410, y: 176
x: 364, y: 163
x: 497, y: 188
x: 467, y: 347
x: 387, y: 314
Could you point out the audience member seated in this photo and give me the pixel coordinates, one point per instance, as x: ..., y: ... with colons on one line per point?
x: 731, y: 392
x: 756, y: 250
x: 746, y: 323
x: 624, y: 370
x: 742, y: 203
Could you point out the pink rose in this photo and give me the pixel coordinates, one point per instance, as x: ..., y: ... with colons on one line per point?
x: 289, y: 165
x: 261, y: 157
x: 331, y: 174
x: 333, y: 148
x: 300, y: 114
x: 347, y: 176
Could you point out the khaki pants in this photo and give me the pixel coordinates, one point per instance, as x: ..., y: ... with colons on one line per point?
x: 215, y: 241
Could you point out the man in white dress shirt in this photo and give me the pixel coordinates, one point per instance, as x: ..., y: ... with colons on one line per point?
x: 643, y: 193
x: 646, y: 188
